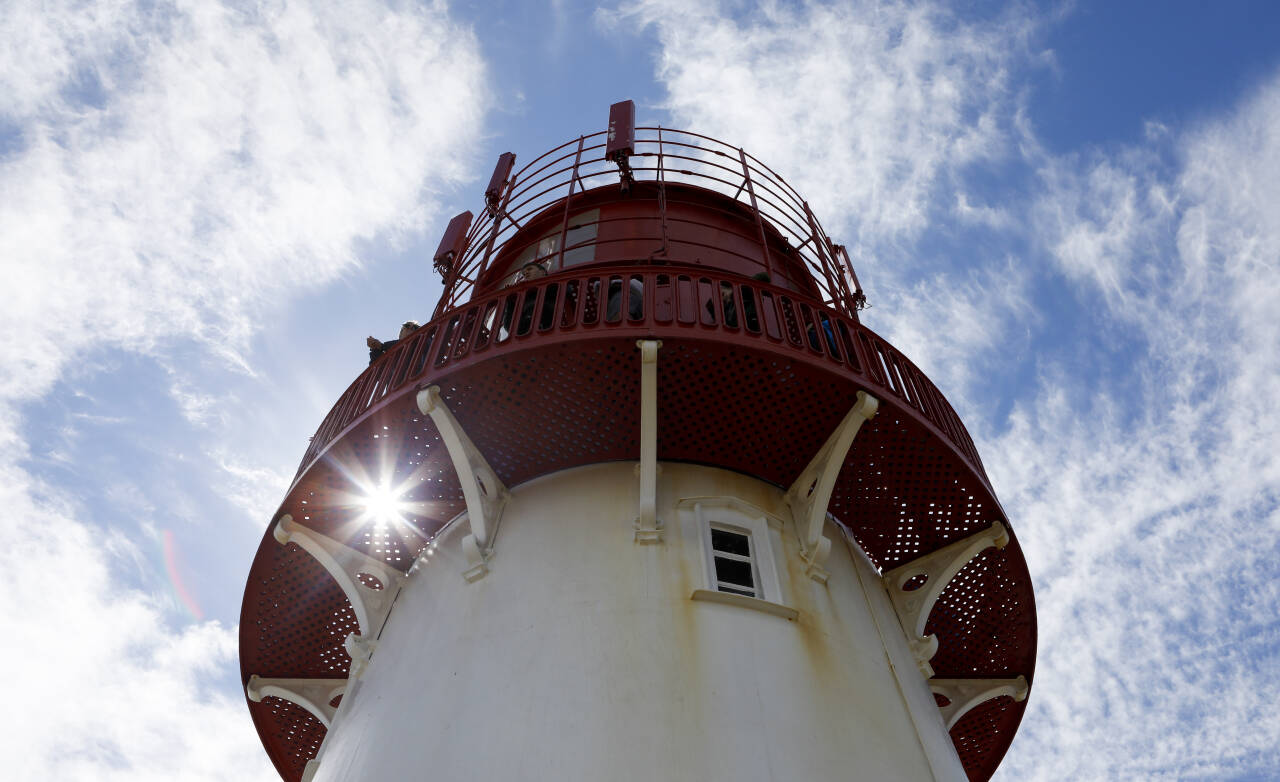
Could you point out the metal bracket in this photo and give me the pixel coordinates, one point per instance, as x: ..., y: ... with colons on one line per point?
x: 311, y: 694
x: 809, y: 495
x: 483, y: 490
x: 915, y: 604
x: 360, y: 649
x: 964, y: 694
x: 648, y: 525
x: 344, y: 565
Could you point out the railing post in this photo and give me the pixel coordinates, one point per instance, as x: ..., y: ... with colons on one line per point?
x: 662, y: 198
x: 497, y: 225
x: 564, y: 223
x: 755, y: 207
x: 833, y: 287
x: 859, y: 348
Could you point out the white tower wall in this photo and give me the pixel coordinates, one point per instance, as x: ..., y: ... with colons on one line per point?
x: 584, y: 655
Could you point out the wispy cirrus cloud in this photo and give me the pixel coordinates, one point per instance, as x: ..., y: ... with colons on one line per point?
x: 174, y: 169
x: 1119, y: 304
x: 870, y: 108
x: 169, y: 173
x: 1157, y: 485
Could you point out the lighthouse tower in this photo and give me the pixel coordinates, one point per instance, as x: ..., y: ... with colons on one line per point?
x: 643, y: 500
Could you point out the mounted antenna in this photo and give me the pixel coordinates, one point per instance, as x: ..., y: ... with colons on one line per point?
x: 452, y: 245
x: 621, y: 142
x: 498, y: 182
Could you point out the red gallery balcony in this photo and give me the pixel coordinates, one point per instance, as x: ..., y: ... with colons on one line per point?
x: 700, y: 246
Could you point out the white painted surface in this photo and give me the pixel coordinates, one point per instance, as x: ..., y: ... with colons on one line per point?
x: 581, y: 656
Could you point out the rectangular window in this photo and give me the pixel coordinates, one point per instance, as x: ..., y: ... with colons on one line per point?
x: 738, y: 564
x: 731, y: 553
x: 579, y: 241
x: 583, y: 230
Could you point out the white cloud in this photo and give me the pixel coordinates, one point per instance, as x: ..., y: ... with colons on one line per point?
x: 253, y: 488
x: 169, y: 173
x: 868, y: 108
x: 108, y: 690
x: 183, y: 166
x: 1139, y: 465
x: 1155, y: 513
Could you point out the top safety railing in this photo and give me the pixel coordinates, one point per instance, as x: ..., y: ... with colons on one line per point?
x: 661, y: 155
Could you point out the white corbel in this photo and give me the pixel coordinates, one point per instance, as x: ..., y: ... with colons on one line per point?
x: 964, y: 694
x: 648, y: 525
x: 811, y: 492
x: 914, y: 605
x: 313, y: 695
x: 484, y: 492
x: 309, y: 771
x: 360, y: 650
x: 344, y: 565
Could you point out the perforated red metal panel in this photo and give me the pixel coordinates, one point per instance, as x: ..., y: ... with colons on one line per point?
x: 747, y: 405
x: 982, y: 736
x: 544, y: 376
x: 292, y: 736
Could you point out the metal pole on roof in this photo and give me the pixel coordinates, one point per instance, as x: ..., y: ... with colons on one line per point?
x: 755, y: 207
x: 564, y: 224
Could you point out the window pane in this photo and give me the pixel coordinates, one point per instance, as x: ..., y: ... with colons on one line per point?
x: 583, y: 229
x: 733, y: 571
x: 730, y: 542
x: 735, y: 591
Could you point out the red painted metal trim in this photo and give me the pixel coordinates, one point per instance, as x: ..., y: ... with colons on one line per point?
x: 803, y: 335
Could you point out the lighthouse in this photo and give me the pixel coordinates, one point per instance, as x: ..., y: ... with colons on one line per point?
x: 643, y: 500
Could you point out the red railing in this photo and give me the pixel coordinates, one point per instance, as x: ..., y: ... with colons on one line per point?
x: 645, y: 301
x: 661, y: 155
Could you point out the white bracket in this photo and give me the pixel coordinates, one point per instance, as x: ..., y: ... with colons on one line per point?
x: 309, y: 771
x: 311, y: 694
x: 648, y: 525
x: 345, y: 564
x: 964, y: 694
x: 360, y: 650
x: 809, y: 496
x: 484, y: 492
x: 914, y: 605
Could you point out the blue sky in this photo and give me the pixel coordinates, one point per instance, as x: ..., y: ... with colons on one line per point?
x: 1068, y: 214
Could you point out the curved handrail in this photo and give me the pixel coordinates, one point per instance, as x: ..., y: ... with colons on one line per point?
x: 661, y: 155
x: 646, y: 300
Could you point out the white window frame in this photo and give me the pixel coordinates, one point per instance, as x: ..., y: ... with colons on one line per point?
x: 734, y: 515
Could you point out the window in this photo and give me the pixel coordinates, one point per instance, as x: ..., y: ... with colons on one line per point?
x: 731, y: 558
x: 579, y: 241
x: 737, y: 544
x: 583, y: 229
